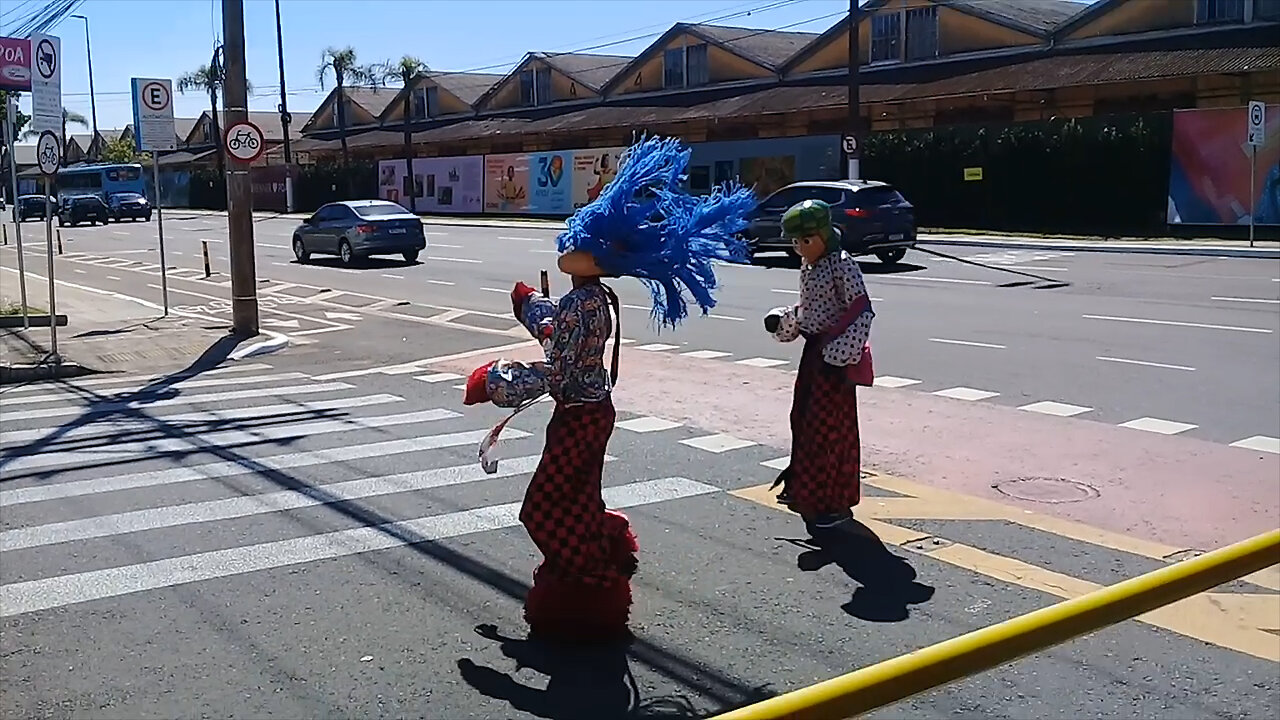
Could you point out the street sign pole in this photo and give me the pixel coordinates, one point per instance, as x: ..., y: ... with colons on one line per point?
x: 49, y: 157
x: 10, y: 131
x: 244, y: 290
x: 1256, y: 130
x: 153, y: 132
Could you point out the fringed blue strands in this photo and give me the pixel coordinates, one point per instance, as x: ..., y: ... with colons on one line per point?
x: 645, y: 225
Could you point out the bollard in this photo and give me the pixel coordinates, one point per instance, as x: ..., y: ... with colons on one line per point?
x: 204, y: 247
x: 4, y: 232
x: 59, y: 233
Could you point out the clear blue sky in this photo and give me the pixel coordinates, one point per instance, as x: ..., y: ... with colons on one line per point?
x: 165, y: 38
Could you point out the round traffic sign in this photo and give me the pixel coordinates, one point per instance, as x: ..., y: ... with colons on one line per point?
x: 46, y: 59
x: 1255, y: 115
x: 155, y: 96
x: 244, y: 141
x: 48, y: 153
x: 850, y: 143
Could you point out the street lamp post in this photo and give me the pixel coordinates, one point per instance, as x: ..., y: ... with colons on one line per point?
x: 93, y: 98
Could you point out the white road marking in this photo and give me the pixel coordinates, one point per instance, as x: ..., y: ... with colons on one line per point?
x: 761, y: 362
x: 1178, y: 323
x: 60, y: 591
x: 1156, y: 425
x: 964, y: 393
x: 393, y: 277
x: 547, y: 252
x: 281, y: 264
x: 1049, y: 407
x: 437, y: 377
x: 278, y: 247
x: 706, y: 354
x: 195, y: 381
x: 82, y: 272
x: 1261, y: 443
x: 782, y: 291
x: 713, y: 316
x: 112, y: 277
x: 717, y: 443
x: 778, y: 463
x: 183, y: 400
x: 656, y: 347
x: 440, y: 282
x: 525, y: 239
x: 934, y: 279
x: 1145, y: 363
x: 450, y: 259
x: 496, y: 290
x: 229, y: 468
x: 647, y: 424
x: 890, y: 381
x: 1246, y: 300
x: 442, y: 245
x: 637, y: 307
x: 968, y: 343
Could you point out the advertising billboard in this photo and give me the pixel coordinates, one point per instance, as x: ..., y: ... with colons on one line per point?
x: 15, y: 64
x: 547, y: 183
x: 1210, y: 167
x: 438, y: 184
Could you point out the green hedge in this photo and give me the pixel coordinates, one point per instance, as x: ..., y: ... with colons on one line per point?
x: 1106, y: 175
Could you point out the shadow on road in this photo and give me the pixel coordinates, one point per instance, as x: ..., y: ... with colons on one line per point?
x: 783, y: 261
x: 887, y: 584
x: 371, y: 263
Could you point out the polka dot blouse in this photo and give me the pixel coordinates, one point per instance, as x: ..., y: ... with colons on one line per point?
x: 827, y: 289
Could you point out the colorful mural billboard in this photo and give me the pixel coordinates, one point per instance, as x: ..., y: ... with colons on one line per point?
x: 439, y: 184
x: 1210, y: 167
x: 547, y: 183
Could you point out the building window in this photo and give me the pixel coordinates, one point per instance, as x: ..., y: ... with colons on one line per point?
x: 535, y: 87
x: 686, y: 66
x: 922, y: 33
x: 886, y: 37
x: 425, y: 103
x: 673, y: 68
x: 1266, y: 10
x: 1217, y: 11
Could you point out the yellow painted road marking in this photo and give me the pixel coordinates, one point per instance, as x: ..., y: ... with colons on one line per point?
x: 1245, y: 622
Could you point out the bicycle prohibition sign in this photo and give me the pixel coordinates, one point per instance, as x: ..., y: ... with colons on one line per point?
x: 244, y: 141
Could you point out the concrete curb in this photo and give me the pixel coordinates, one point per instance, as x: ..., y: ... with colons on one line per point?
x: 30, y: 373
x: 275, y: 342
x: 1133, y: 248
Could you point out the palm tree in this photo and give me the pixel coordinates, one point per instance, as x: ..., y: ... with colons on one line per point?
x: 68, y: 116
x: 342, y: 64
x: 408, y: 69
x: 210, y: 80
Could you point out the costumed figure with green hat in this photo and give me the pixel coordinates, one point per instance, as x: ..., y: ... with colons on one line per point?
x: 643, y: 225
x: 823, y: 481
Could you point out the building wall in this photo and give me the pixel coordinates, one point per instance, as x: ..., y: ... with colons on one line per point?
x: 724, y: 67
x: 1134, y: 16
x: 765, y: 163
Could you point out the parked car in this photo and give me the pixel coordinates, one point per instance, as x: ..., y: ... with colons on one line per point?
x: 354, y: 229
x: 873, y: 217
x: 130, y: 205
x: 76, y: 209
x: 31, y: 206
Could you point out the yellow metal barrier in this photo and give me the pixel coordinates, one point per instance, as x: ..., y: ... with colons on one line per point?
x: 901, y: 677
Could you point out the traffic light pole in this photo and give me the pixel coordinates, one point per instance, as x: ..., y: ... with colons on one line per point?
x: 244, y: 290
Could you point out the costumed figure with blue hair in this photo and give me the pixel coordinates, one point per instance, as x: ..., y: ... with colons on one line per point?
x: 823, y: 480
x: 643, y: 225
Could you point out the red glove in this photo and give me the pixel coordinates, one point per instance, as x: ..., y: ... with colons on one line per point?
x: 519, y: 294
x: 476, y: 391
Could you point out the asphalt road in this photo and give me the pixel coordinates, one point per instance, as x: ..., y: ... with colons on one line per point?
x: 1168, y: 344
x: 293, y: 536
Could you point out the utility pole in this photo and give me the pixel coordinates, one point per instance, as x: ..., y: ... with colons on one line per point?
x: 285, y: 118
x: 235, y: 99
x: 93, y: 98
x: 853, y: 156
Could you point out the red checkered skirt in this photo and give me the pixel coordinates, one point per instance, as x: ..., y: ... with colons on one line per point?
x: 826, y: 455
x: 582, y: 589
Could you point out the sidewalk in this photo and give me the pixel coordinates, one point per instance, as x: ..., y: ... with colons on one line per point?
x: 105, y: 332
x: 1263, y: 249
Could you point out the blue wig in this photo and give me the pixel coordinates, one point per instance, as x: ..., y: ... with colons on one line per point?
x: 646, y: 226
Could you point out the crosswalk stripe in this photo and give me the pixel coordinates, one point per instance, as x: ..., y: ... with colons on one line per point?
x: 212, y: 441
x: 61, y: 591
x: 238, y: 507
x: 228, y: 468
x: 75, y: 383
x: 101, y: 430
x: 214, y: 382
x: 143, y: 405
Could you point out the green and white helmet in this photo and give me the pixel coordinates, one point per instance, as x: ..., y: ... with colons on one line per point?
x: 810, y: 217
